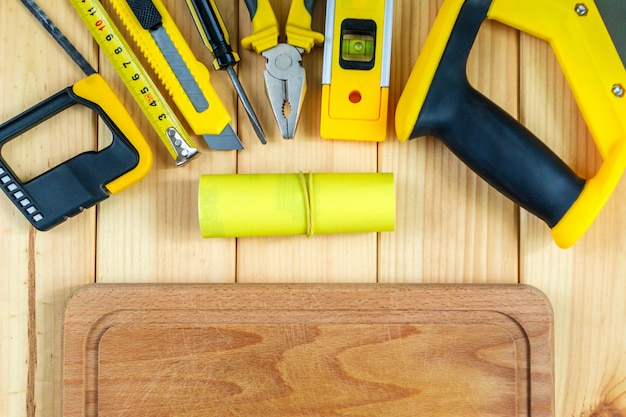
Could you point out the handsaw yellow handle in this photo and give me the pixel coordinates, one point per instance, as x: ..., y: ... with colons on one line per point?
x: 594, y: 71
x: 265, y: 25
x: 298, y: 28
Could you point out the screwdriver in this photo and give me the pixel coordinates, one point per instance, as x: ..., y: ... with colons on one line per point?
x: 213, y: 32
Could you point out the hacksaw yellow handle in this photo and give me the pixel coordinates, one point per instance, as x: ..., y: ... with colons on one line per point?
x: 95, y: 90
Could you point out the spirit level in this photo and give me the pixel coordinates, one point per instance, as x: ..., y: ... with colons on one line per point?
x: 355, y: 77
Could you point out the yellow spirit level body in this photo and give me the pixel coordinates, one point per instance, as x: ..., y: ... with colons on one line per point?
x: 356, y: 71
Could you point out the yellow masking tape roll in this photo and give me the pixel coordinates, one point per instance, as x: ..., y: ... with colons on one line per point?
x: 238, y: 205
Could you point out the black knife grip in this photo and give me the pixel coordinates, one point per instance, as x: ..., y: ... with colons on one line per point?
x: 146, y: 12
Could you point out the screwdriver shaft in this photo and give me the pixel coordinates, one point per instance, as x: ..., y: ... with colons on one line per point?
x: 211, y: 26
x: 246, y: 104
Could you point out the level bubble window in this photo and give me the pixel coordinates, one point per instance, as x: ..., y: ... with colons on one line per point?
x: 358, y: 44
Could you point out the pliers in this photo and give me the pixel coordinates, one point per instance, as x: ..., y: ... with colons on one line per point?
x: 285, y: 78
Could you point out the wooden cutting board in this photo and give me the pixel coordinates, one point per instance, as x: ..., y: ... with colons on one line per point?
x: 307, y: 350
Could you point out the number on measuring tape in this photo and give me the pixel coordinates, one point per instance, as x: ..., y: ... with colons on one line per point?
x: 135, y: 78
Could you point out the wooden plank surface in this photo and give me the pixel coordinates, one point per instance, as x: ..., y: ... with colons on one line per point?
x: 308, y: 350
x: 40, y: 269
x: 587, y: 281
x: 450, y: 226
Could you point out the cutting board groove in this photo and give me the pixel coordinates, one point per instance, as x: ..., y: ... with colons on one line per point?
x: 307, y: 350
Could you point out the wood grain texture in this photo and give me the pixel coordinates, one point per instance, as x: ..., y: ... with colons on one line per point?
x: 308, y: 350
x: 39, y: 269
x: 447, y: 213
x: 450, y: 226
x: 165, y: 203
x: 586, y: 282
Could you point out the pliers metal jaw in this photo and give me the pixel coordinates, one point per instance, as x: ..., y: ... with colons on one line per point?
x: 285, y: 84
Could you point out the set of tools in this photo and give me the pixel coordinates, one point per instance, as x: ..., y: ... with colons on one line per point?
x: 438, y: 100
x: 88, y: 178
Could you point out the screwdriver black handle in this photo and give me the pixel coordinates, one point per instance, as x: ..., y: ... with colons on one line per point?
x: 214, y: 34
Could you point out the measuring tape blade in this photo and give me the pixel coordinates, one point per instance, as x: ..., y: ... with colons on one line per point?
x: 136, y: 79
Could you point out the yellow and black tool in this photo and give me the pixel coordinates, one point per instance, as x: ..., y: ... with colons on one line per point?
x: 185, y: 78
x: 356, y: 71
x: 589, y: 41
x: 87, y: 178
x: 136, y: 79
x: 215, y: 37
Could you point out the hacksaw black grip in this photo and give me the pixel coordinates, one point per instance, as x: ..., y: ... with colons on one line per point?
x: 65, y: 190
x: 491, y: 142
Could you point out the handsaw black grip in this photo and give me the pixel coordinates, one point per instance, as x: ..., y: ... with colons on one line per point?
x: 500, y: 150
x: 491, y: 142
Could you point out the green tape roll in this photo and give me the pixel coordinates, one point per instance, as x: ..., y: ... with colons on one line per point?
x: 239, y: 205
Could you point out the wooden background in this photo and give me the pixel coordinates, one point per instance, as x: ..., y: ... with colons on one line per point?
x: 451, y: 226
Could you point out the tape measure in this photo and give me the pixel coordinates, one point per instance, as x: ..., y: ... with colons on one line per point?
x: 136, y: 79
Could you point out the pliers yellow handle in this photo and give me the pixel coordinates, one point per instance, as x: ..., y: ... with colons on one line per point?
x: 265, y: 25
x: 297, y: 29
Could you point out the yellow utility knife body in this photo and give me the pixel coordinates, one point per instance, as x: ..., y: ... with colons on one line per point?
x: 185, y: 78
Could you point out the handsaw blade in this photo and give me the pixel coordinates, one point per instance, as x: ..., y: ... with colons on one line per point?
x: 613, y: 14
